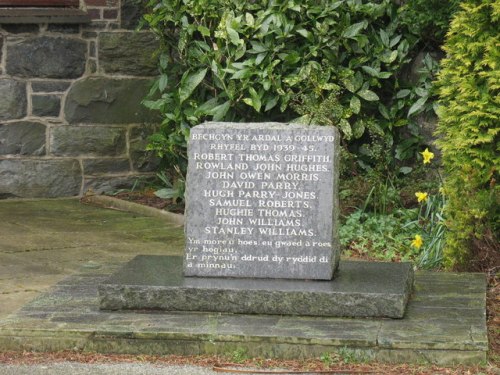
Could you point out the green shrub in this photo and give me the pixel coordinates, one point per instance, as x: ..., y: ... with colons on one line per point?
x: 321, y: 61
x: 428, y: 20
x: 469, y: 90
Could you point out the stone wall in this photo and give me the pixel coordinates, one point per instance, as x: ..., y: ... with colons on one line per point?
x: 70, y: 112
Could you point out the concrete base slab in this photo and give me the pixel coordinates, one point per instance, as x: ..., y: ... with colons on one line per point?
x: 360, y: 289
x: 445, y: 323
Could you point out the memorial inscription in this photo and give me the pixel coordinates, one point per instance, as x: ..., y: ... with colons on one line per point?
x: 261, y: 201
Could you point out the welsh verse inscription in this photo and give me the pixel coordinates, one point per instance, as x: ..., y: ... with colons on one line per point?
x: 262, y: 201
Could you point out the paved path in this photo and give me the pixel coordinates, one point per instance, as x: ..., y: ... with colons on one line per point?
x: 42, y: 241
x: 70, y: 368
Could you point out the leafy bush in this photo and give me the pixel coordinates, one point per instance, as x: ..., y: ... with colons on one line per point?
x: 428, y: 20
x: 469, y: 90
x: 327, y: 62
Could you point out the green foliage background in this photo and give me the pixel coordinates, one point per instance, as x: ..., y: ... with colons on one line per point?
x: 312, y: 61
x: 469, y: 90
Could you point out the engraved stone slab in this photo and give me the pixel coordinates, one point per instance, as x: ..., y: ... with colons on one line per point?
x: 361, y: 289
x: 262, y: 201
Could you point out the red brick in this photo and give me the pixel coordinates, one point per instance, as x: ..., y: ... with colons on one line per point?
x: 110, y: 14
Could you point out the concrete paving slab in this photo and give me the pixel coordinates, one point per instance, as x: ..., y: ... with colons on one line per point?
x: 42, y: 241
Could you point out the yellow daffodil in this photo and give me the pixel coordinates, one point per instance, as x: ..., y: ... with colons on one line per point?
x: 427, y: 155
x: 421, y: 197
x: 417, y: 241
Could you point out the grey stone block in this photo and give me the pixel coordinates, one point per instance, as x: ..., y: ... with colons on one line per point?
x: 39, y: 178
x: 13, y: 100
x: 108, y: 101
x: 22, y: 138
x: 142, y: 160
x: 64, y: 28
x: 262, y: 201
x: 88, y: 140
x: 130, y: 14
x: 46, y: 105
x: 361, y: 289
x: 103, y: 166
x: 47, y: 57
x: 106, y: 184
x: 129, y: 53
x: 50, y: 86
x: 21, y: 28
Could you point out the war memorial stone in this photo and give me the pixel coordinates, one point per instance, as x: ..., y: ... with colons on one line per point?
x: 262, y: 201
x: 261, y: 234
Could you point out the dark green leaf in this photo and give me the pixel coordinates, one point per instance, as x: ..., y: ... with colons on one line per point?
x: 383, y: 111
x: 417, y: 106
x: 368, y: 95
x: 405, y: 170
x: 358, y: 129
x: 355, y: 104
x: 233, y: 36
x: 271, y: 103
x: 163, y: 82
x: 354, y: 29
x: 189, y: 82
x: 205, y: 31
x: 402, y: 93
x: 384, y: 37
x: 220, y: 111
x: 242, y: 74
x: 371, y: 71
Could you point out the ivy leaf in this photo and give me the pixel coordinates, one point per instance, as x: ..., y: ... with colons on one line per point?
x: 368, y: 95
x: 189, y: 82
x: 417, y: 106
x: 354, y: 29
x: 355, y: 104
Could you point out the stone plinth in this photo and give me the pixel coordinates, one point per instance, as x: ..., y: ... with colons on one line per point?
x: 360, y: 289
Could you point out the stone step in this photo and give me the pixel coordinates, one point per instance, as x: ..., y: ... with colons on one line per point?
x: 360, y: 289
